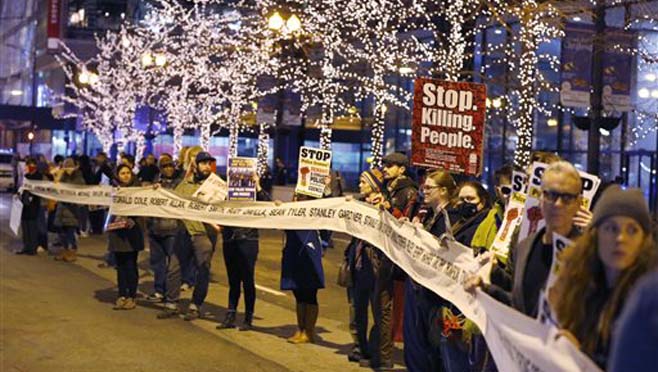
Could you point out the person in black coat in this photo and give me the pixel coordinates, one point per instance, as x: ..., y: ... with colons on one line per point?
x: 33, y: 220
x: 125, y: 240
x: 301, y: 272
x: 240, y: 250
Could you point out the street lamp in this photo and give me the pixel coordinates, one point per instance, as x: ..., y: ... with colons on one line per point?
x: 275, y: 22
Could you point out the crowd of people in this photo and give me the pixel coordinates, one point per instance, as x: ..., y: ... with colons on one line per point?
x: 605, y: 298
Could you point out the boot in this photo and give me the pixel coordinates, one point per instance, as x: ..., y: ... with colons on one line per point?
x: 129, y: 304
x: 60, y: 255
x: 301, y: 311
x: 229, y: 321
x: 118, y: 305
x: 247, y: 324
x: 70, y: 255
x: 310, y: 318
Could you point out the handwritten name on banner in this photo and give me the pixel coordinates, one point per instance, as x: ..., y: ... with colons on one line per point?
x: 76, y: 194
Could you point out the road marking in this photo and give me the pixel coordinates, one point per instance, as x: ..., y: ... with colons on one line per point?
x: 270, y: 290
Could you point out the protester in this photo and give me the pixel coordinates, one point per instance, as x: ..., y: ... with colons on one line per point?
x: 240, y: 250
x: 635, y: 337
x: 365, y: 264
x: 472, y: 208
x: 162, y: 233
x: 422, y: 344
x: 599, y: 270
x: 33, y: 221
x: 125, y: 241
x: 301, y: 272
x: 531, y: 259
x: 149, y: 171
x: 486, y: 232
x: 66, y: 214
x: 198, y: 239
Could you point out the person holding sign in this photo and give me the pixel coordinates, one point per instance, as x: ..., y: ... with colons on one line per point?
x: 599, y: 270
x: 240, y: 249
x: 364, y: 263
x: 422, y: 346
x: 125, y: 241
x: 301, y: 272
x: 530, y: 261
x: 33, y: 221
x: 67, y: 214
x: 197, y: 238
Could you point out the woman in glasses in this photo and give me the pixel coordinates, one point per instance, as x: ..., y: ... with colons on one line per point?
x: 486, y: 232
x: 422, y: 314
x: 601, y: 267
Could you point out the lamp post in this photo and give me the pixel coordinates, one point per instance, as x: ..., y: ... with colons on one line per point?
x: 288, y: 28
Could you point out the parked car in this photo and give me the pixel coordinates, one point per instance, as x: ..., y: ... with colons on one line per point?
x: 6, y: 171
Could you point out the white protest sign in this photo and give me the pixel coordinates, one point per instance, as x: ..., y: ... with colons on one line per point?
x: 212, y: 190
x: 519, y: 182
x: 512, y: 218
x: 545, y: 310
x: 314, y: 168
x: 15, y: 214
x: 533, y: 220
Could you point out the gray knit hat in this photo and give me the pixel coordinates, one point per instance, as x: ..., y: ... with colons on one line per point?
x: 618, y: 202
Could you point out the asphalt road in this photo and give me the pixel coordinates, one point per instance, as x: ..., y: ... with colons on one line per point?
x: 56, y: 316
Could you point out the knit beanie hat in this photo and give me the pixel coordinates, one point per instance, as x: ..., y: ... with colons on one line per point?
x: 618, y: 202
x: 375, y: 179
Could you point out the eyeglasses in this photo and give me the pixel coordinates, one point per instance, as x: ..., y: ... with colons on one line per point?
x: 505, y: 190
x: 553, y: 196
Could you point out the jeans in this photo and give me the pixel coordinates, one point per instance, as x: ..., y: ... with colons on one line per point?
x: 165, y: 266
x: 240, y: 260
x: 127, y: 275
x: 186, y: 260
x: 67, y: 237
x: 199, y: 249
x: 382, y: 307
x: 84, y: 218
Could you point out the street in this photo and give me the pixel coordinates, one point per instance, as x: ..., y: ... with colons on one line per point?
x: 57, y: 316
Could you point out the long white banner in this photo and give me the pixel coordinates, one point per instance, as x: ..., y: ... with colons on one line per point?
x: 517, y: 342
x: 76, y: 194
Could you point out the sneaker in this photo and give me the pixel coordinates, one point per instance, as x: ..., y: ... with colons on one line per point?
x: 103, y: 265
x: 170, y: 311
x: 60, y: 255
x: 120, y: 302
x: 129, y: 304
x: 192, y: 313
x: 385, y: 366
x: 155, y: 297
x: 229, y: 321
x: 364, y: 362
x: 185, y: 287
x: 84, y: 234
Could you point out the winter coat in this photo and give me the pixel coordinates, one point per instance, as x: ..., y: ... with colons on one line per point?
x: 402, y: 195
x: 165, y: 226
x: 31, y: 203
x: 301, y: 263
x: 126, y: 240
x: 67, y: 214
x: 242, y: 233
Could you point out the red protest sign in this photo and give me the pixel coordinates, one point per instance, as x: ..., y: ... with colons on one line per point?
x: 447, y: 129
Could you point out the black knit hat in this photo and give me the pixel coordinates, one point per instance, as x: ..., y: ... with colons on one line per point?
x: 618, y: 202
x: 396, y: 158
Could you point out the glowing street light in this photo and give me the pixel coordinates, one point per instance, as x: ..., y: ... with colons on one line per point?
x: 293, y: 23
x: 147, y: 59
x: 276, y: 21
x: 160, y: 59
